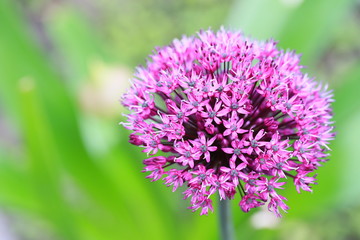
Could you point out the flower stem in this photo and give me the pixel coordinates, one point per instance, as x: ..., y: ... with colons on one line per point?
x: 225, y: 220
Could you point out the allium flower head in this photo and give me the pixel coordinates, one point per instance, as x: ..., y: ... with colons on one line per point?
x: 230, y: 115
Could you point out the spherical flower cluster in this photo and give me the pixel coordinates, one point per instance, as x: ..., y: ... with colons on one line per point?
x: 229, y: 114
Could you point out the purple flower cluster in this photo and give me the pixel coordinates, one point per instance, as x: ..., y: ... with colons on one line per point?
x: 230, y: 114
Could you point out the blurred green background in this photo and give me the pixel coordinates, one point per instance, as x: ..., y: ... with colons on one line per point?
x: 66, y: 169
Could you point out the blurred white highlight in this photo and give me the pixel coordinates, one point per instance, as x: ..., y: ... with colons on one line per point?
x: 264, y: 219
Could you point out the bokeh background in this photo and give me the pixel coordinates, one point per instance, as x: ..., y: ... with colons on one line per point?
x: 67, y: 171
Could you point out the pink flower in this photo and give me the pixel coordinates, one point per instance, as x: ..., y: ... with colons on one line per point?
x: 234, y: 172
x: 235, y: 150
x: 212, y: 114
x: 303, y: 182
x: 233, y: 115
x: 234, y: 126
x: 175, y: 177
x: 276, y: 203
x: 204, y: 145
x: 253, y: 143
x: 266, y: 188
x: 204, y: 203
x: 235, y: 104
x: 250, y: 201
x: 220, y: 184
x: 201, y: 177
x: 187, y: 153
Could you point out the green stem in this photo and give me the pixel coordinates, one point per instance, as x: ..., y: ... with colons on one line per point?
x: 225, y: 220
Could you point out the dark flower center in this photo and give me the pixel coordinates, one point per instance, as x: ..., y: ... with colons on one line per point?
x: 191, y: 83
x: 270, y: 188
x: 234, y: 106
x: 195, y: 103
x: 252, y: 182
x: 234, y: 173
x: 179, y: 114
x: 237, y: 151
x: 153, y: 143
x: 203, y: 148
x: 288, y: 106
x: 212, y: 114
x: 279, y: 166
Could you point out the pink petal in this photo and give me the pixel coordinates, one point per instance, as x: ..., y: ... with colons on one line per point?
x: 228, y: 150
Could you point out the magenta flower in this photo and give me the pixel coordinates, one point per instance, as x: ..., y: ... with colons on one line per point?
x: 233, y: 115
x: 233, y: 126
x: 235, y: 149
